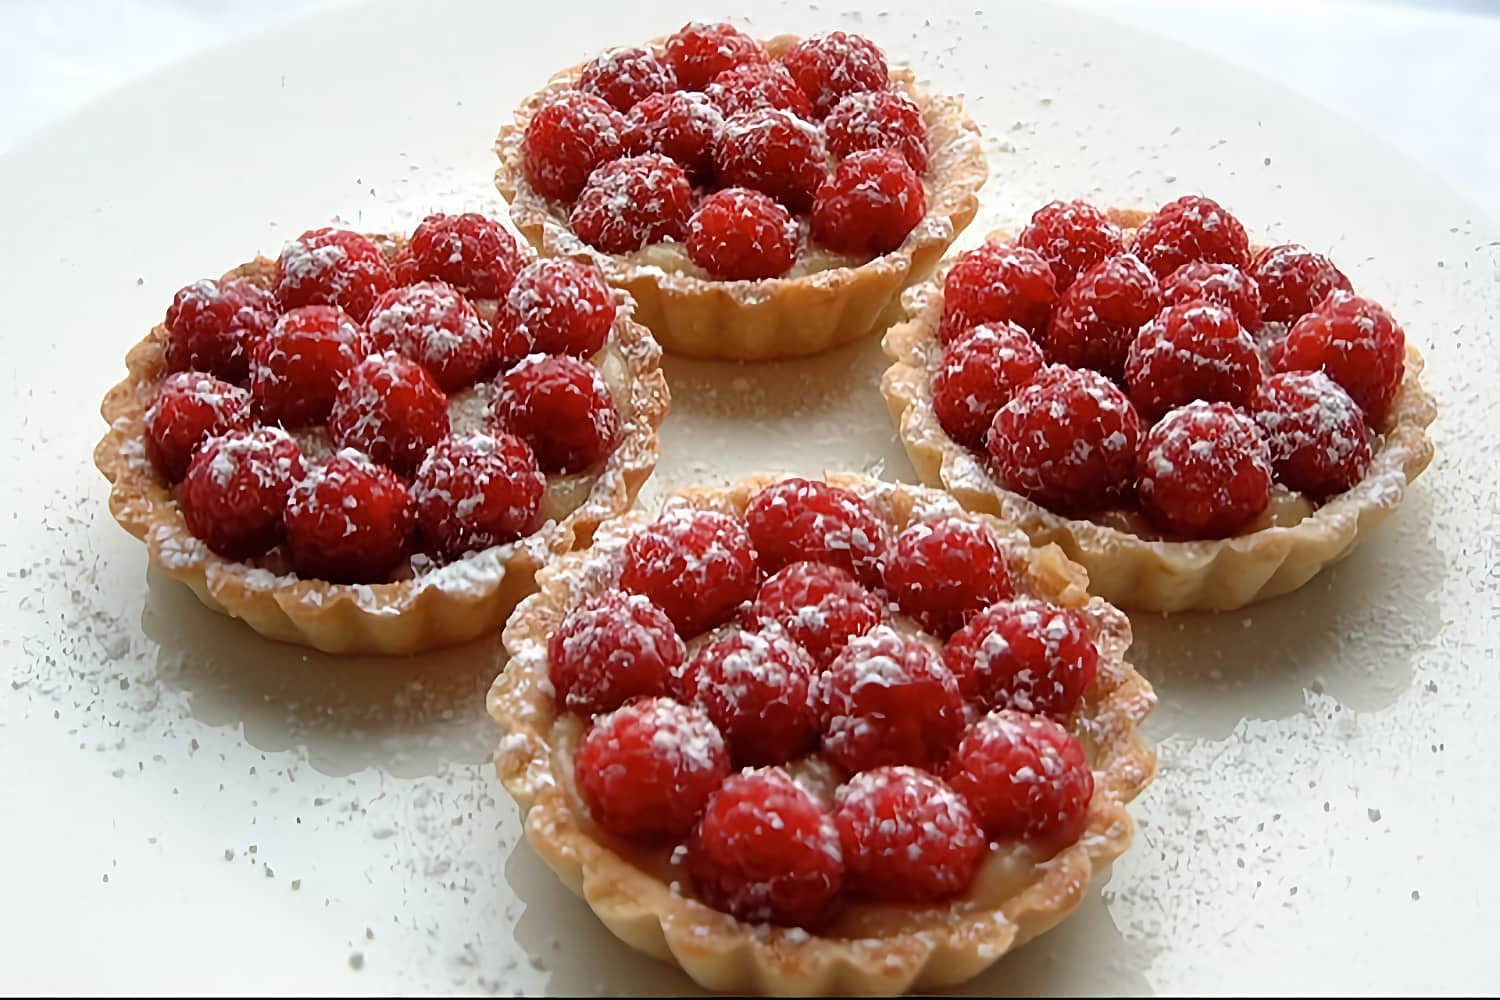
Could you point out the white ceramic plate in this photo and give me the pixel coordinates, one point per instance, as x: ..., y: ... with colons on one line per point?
x: 190, y: 808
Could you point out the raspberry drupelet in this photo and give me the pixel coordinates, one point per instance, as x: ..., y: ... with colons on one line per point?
x: 390, y: 409
x: 610, y: 649
x: 979, y: 373
x: 1319, y: 442
x: 765, y: 851
x: 820, y: 606
x: 646, y: 770
x: 631, y: 202
x: 556, y: 306
x: 623, y: 77
x: 906, y: 836
x: 738, y: 234
x: 869, y: 204
x: 1191, y: 228
x: 562, y: 408
x: 807, y: 519
x: 434, y: 325
x: 1293, y: 280
x: 234, y: 495
x: 699, y: 51
x: 756, y: 687
x: 1025, y: 654
x: 1099, y: 315
x: 1359, y: 345
x: 773, y: 151
x: 1067, y: 439
x: 474, y: 254
x: 1205, y: 471
x: 348, y: 520
x: 1072, y: 236
x: 476, y: 490
x: 332, y: 267
x: 997, y: 283
x: 189, y: 408
x: 211, y: 326
x: 889, y: 699
x: 1026, y: 778
x: 696, y: 565
x: 296, y: 369
x: 683, y: 125
x: 828, y: 67
x: 758, y: 85
x: 1196, y: 350
x: 1221, y: 284
x: 570, y: 135
x: 878, y: 119
x: 944, y: 571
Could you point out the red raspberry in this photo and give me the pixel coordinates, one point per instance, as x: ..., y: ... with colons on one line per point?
x: 803, y: 519
x: 758, y: 85
x: 626, y: 76
x: 1205, y: 471
x: 562, y: 408
x: 212, y: 324
x: 347, y: 521
x: 1067, y: 440
x: 474, y: 254
x: 556, y: 306
x: 332, y: 267
x: 699, y: 52
x: 756, y: 687
x: 888, y: 699
x: 1293, y: 280
x: 436, y: 327
x: 997, y: 284
x: 610, y: 649
x: 389, y: 408
x: 766, y: 852
x: 827, y: 67
x: 1026, y: 778
x: 773, y: 151
x: 1221, y: 284
x: 1072, y: 236
x: 979, y: 373
x: 820, y: 606
x: 943, y: 572
x: 1320, y: 444
x: 631, y: 202
x: 1357, y: 343
x: 647, y: 770
x: 1025, y: 654
x: 878, y: 119
x: 1191, y: 228
x: 868, y: 205
x: 697, y: 565
x: 906, y: 836
x: 295, y: 370
x: 1100, y: 314
x: 570, y: 135
x: 188, y: 409
x: 1196, y: 350
x: 742, y: 235
x: 235, y: 491
x: 683, y: 125
x: 475, y: 491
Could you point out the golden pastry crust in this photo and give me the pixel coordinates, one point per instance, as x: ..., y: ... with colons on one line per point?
x: 1128, y: 569
x: 775, y: 318
x: 444, y: 606
x: 871, y: 948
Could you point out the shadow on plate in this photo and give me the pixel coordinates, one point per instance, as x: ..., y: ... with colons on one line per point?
x: 1351, y: 632
x: 410, y: 716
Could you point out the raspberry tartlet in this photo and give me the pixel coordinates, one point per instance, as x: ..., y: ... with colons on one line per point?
x: 803, y: 790
x: 760, y: 200
x: 1200, y: 422
x: 371, y: 443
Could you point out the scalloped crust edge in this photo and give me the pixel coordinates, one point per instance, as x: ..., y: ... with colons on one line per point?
x: 776, y: 318
x: 1146, y: 574
x: 928, y: 948
x: 460, y: 602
